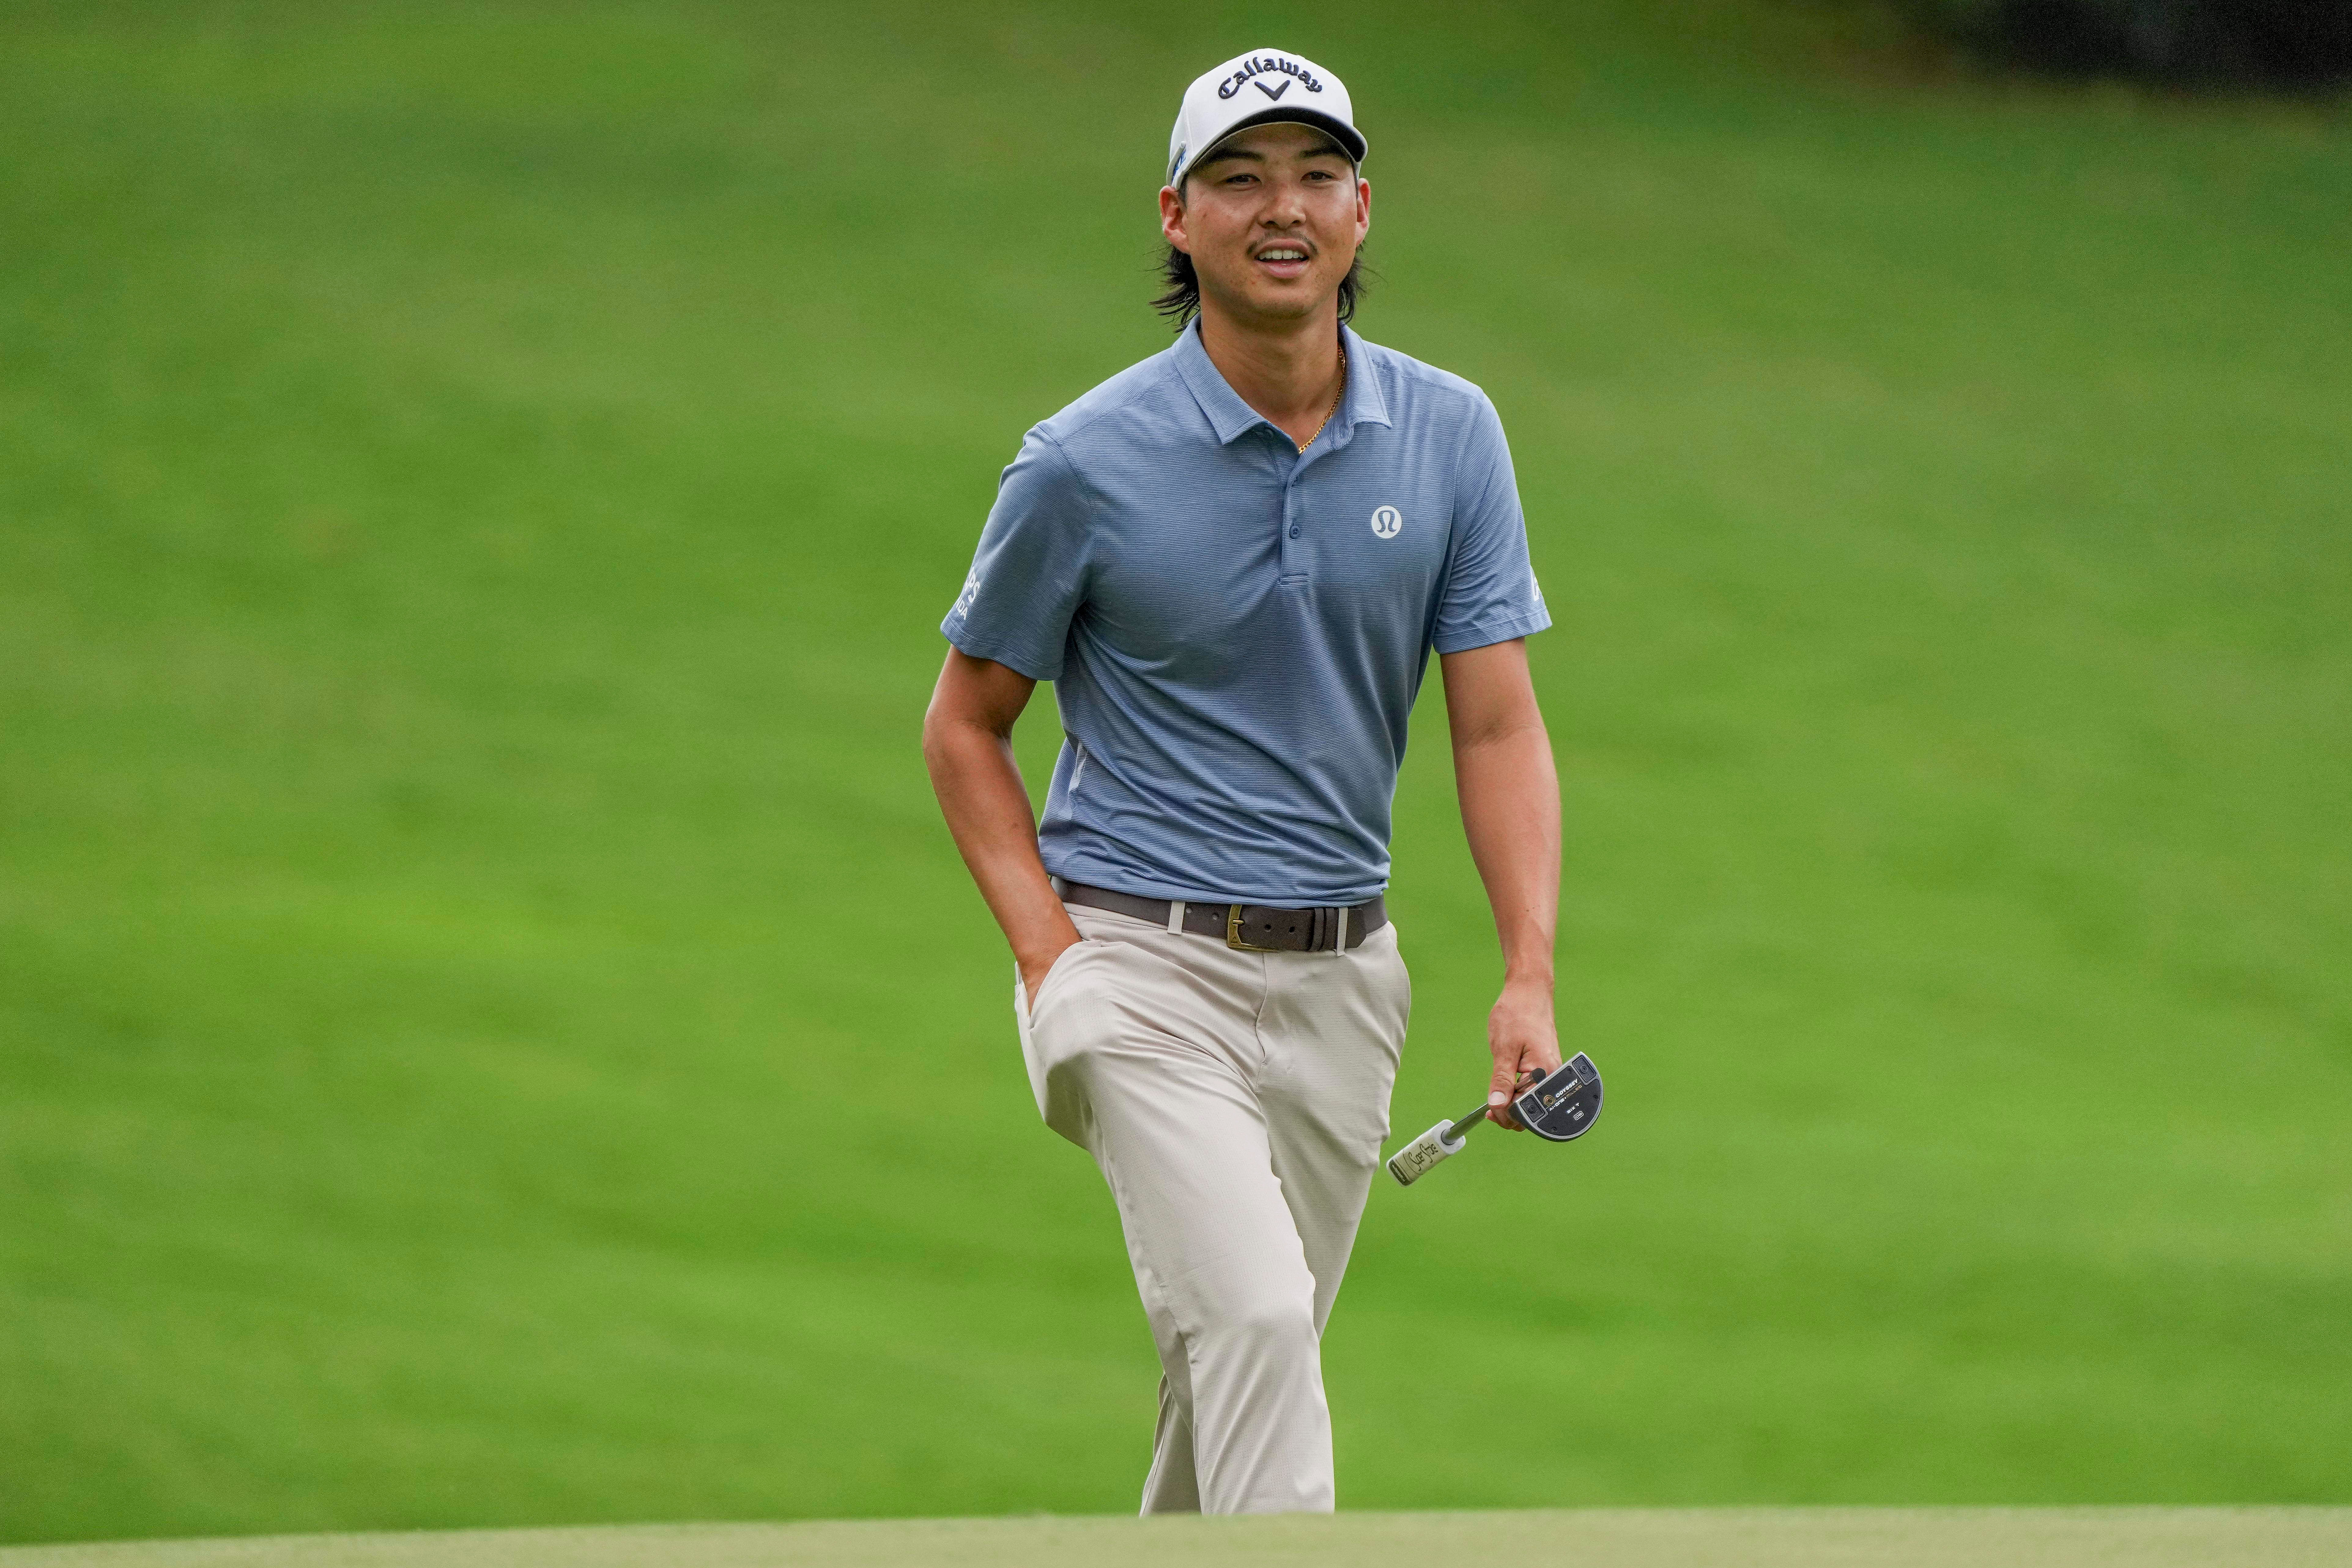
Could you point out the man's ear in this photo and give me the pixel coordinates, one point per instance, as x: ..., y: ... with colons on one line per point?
x: 1172, y: 217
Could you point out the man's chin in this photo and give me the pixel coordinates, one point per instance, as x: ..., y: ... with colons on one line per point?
x: 1267, y: 301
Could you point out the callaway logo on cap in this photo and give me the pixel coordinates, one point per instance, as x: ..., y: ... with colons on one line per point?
x: 1260, y: 88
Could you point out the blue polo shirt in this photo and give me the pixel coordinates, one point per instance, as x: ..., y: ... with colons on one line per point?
x: 1236, y: 631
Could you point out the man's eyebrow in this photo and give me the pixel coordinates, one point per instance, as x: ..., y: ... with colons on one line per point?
x: 1329, y: 149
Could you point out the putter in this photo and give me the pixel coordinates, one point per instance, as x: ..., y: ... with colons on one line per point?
x: 1562, y: 1105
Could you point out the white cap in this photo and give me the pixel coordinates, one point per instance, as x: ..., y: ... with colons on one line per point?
x: 1262, y: 87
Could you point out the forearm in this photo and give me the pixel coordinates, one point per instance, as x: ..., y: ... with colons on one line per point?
x: 987, y: 808
x: 1509, y: 791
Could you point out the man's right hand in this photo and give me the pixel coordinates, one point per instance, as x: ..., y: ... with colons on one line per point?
x: 1034, y: 968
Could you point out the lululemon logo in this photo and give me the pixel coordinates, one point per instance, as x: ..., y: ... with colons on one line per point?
x: 1386, y: 521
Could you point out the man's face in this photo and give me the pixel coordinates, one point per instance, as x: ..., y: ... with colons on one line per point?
x: 1272, y: 219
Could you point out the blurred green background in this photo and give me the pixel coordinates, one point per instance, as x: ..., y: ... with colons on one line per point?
x: 477, y: 488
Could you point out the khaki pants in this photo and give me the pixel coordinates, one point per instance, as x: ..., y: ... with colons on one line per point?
x: 1236, y: 1102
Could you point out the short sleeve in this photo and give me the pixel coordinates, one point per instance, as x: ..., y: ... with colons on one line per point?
x: 1028, y: 577
x: 1490, y: 593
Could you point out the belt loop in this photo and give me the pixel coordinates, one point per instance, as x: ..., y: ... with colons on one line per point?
x: 1175, y: 917
x: 1340, y: 947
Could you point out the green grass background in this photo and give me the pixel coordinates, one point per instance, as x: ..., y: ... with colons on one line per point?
x: 478, y: 487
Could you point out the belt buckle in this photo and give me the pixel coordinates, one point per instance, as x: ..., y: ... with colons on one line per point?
x: 1234, y: 933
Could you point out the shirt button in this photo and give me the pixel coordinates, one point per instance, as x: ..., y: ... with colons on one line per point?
x: 1294, y: 530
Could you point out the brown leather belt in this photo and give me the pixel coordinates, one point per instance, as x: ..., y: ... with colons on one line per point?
x: 1251, y: 927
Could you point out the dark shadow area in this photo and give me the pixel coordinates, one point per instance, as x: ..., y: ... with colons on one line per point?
x: 2292, y: 45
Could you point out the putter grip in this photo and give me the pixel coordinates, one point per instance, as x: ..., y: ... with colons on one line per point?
x: 1409, y: 1164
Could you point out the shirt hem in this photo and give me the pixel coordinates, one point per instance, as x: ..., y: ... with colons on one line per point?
x: 1144, y: 887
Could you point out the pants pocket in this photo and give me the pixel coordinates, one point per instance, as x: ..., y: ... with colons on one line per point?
x: 1034, y: 1056
x: 1045, y: 1038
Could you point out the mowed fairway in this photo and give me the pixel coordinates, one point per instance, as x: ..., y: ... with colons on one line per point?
x: 492, y: 1031
x: 1594, y: 1538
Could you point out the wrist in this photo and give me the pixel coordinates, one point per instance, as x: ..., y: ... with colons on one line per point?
x: 1038, y: 957
x: 1528, y: 977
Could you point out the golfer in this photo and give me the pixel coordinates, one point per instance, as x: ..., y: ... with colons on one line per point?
x: 1233, y: 559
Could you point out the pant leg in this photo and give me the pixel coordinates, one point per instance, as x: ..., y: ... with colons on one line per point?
x: 1173, y: 1485
x: 1334, y: 1031
x: 1143, y: 1051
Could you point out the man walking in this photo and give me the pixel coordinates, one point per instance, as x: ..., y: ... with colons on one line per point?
x: 1233, y: 560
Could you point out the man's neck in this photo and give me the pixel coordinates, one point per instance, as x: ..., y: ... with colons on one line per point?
x: 1288, y: 372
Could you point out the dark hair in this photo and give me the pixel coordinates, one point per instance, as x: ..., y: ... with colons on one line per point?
x: 1181, y: 300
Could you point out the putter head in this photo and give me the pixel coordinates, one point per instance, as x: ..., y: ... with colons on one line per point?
x: 1565, y: 1105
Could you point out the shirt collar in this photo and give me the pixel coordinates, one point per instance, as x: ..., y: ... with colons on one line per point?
x: 1363, y: 402
x: 1229, y: 416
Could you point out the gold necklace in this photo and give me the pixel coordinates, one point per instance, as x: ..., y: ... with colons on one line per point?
x: 1336, y: 396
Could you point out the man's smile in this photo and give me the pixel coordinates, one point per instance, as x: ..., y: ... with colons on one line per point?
x: 1283, y: 258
